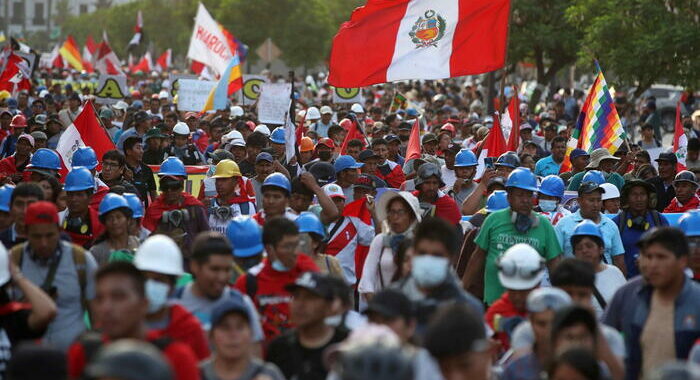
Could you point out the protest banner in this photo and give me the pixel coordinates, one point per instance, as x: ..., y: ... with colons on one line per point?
x: 111, y: 89
x: 347, y: 95
x: 274, y: 102
x: 175, y: 82
x: 251, y: 88
x: 192, y: 94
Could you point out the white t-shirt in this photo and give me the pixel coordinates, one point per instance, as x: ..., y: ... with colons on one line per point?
x: 523, y: 337
x: 607, y: 282
x: 448, y: 176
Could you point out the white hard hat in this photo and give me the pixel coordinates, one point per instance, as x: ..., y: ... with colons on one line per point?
x: 521, y: 267
x: 313, y: 114
x: 301, y: 114
x: 43, y: 93
x: 4, y: 265
x: 262, y: 128
x: 611, y: 191
x: 231, y: 136
x: 237, y: 111
x: 163, y: 95
x: 325, y: 110
x: 357, y: 108
x: 159, y: 254
x: 121, y: 105
x: 181, y: 128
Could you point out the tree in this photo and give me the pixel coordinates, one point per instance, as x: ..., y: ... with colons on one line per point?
x: 103, y: 4
x: 641, y: 42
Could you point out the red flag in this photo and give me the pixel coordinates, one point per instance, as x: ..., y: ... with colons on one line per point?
x: 494, y: 145
x: 353, y: 133
x: 413, y: 147
x: 165, y: 60
x: 512, y: 117
x: 106, y: 61
x: 680, y: 140
x: 138, y: 32
x: 145, y: 64
x: 16, y: 75
x: 358, y: 209
x: 89, y: 51
x: 196, y: 67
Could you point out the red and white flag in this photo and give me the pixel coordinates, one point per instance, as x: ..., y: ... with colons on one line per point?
x: 16, y: 76
x: 138, y: 32
x: 209, y: 44
x: 680, y: 140
x: 419, y: 39
x: 353, y: 133
x: 89, y: 51
x: 145, y: 65
x: 84, y: 128
x: 106, y: 61
x: 494, y: 145
x: 511, y: 123
x: 413, y: 147
x: 164, y: 61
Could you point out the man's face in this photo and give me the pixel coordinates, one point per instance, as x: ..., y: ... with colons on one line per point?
x: 172, y: 192
x: 638, y: 199
x: 576, y: 336
x: 450, y: 159
x: 354, y: 151
x: 274, y: 202
x: 170, y: 122
x: 340, y: 201
x: 192, y: 123
x: 37, y: 108
x: 232, y: 337
x: 693, y: 155
x: 23, y: 147
x: 503, y: 171
x: 350, y: 175
x: 111, y: 170
x: 588, y: 250
x: 667, y: 170
x: 607, y: 166
x: 684, y: 191
x: 640, y: 160
x: 647, y: 133
x: 212, y: 275
x: 180, y: 140
x: 154, y: 143
x: 5, y: 120
x: 278, y: 150
x: 590, y: 204
x: 370, y: 165
x: 550, y: 133
x: 136, y: 152
x: 307, y: 308
x: 239, y: 153
x: 155, y: 105
x: 526, y: 134
x: 300, y: 202
x: 541, y: 324
x: 465, y: 172
x: 382, y: 151
x: 558, y: 151
x: 660, y: 267
x: 393, y: 148
x: 404, y: 134
x: 285, y: 250
x: 326, y: 118
x: 216, y: 133
x: 226, y: 186
x: 78, y: 202
x: 118, y: 307
x: 43, y: 239
x: 429, y: 188
x: 263, y: 169
x: 520, y: 200
x: 430, y: 147
x: 73, y: 104
x: 579, y: 163
x: 580, y: 295
x: 324, y: 151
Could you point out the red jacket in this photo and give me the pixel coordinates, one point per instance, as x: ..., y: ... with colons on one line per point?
x: 392, y: 173
x: 8, y: 167
x: 184, y: 327
x: 445, y: 208
x: 676, y: 206
x: 98, y: 196
x: 97, y: 227
x: 271, y: 298
x: 181, y: 359
x: 503, y: 311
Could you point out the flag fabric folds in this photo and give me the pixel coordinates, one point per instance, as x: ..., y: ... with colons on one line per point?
x: 353, y: 133
x: 165, y: 60
x: 70, y: 53
x: 16, y: 75
x: 413, y: 147
x: 210, y: 43
x: 85, y: 128
x: 680, y: 140
x: 494, y: 145
x: 511, y: 122
x: 419, y: 39
x: 106, y: 61
x: 231, y: 81
x: 89, y: 51
x: 138, y: 32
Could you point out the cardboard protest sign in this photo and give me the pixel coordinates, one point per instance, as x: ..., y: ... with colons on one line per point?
x: 192, y: 94
x: 274, y: 102
x: 111, y: 88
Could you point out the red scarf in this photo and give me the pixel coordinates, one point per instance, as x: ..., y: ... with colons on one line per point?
x: 676, y: 206
x: 155, y: 211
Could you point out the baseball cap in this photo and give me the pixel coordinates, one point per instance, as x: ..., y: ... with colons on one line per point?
x: 40, y: 119
x: 525, y: 126
x: 578, y: 153
x: 141, y: 116
x: 191, y: 114
x: 317, y: 283
x: 455, y: 148
x: 346, y: 162
x: 74, y: 96
x: 153, y: 133
x: 41, y: 212
x: 227, y: 306
x: 263, y: 156
x: 106, y: 113
x: 333, y: 191
x: 365, y: 181
x: 392, y: 138
x: 367, y: 154
x: 391, y: 303
x: 326, y: 110
x: 429, y: 137
x: 28, y: 137
x: 589, y: 187
x: 39, y: 135
x: 668, y: 156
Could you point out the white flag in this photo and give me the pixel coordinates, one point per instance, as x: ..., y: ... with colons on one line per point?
x: 208, y: 44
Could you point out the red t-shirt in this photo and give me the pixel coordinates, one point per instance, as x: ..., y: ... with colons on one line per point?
x: 271, y: 299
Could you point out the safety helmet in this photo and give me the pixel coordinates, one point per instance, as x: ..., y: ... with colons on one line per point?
x: 686, y: 176
x: 520, y: 267
x: 4, y: 265
x: 112, y: 202
x: 159, y: 254
x: 181, y: 129
x: 130, y: 359
x: 306, y: 145
x: 279, y: 181
x: 85, y: 157
x: 277, y: 135
x: 237, y: 111
x: 135, y: 205
x: 426, y: 171
x: 522, y: 178
x: 5, y: 197
x: 611, y: 191
x: 587, y: 228
x: 439, y: 98
x: 323, y: 172
x: 231, y: 136
x: 18, y: 120
x: 449, y: 127
x: 308, y: 222
x: 227, y: 169
x: 498, y: 200
x: 172, y: 166
x: 594, y: 176
x: 553, y: 186
x: 509, y: 159
x: 689, y: 222
x: 547, y: 298
x: 465, y: 157
x: 325, y: 141
x: 313, y: 113
x: 79, y: 179
x: 262, y: 128
x: 246, y: 235
x: 45, y: 158
x: 357, y: 108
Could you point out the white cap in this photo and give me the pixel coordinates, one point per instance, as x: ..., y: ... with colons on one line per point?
x: 121, y: 105
x: 333, y: 190
x: 163, y: 95
x: 4, y: 265
x: 159, y: 254
x: 43, y: 93
x: 237, y: 111
x: 357, y: 108
x: 181, y: 129
x: 262, y: 128
x: 325, y: 110
x: 233, y: 135
x: 611, y: 191
x: 313, y: 114
x: 521, y: 267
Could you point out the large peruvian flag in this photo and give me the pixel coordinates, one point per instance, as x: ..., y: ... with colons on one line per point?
x: 85, y: 128
x: 390, y: 40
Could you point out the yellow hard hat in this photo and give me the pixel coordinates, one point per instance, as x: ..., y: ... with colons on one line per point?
x: 306, y: 144
x: 227, y: 169
x: 4, y: 94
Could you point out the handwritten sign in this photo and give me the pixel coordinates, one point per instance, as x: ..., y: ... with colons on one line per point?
x: 274, y: 102
x: 110, y: 88
x: 192, y: 94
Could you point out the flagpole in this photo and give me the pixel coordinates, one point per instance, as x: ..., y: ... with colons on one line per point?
x: 292, y: 114
x: 97, y: 116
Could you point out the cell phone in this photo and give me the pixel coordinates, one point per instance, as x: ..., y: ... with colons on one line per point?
x: 488, y: 162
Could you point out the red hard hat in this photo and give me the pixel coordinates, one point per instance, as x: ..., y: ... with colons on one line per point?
x: 18, y: 121
x: 327, y: 142
x: 136, y: 94
x: 449, y: 127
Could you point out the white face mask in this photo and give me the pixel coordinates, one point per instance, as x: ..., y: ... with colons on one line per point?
x: 157, y: 294
x: 429, y: 271
x: 547, y: 205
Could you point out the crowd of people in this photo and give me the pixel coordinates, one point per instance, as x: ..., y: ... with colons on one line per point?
x: 348, y: 261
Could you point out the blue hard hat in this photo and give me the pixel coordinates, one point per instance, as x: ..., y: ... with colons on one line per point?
x: 411, y: 112
x: 135, y: 205
x: 465, y: 157
x: 84, y: 157
x: 308, y: 222
x: 509, y: 159
x: 594, y: 176
x: 553, y: 186
x: 587, y: 228
x: 277, y: 135
x: 346, y: 162
x: 112, y: 202
x: 278, y: 180
x: 79, y: 179
x: 5, y: 197
x: 45, y: 158
x: 246, y: 236
x: 498, y: 200
x: 522, y: 178
x: 689, y: 222
x: 172, y: 166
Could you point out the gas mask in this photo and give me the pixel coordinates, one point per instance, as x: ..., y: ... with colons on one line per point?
x: 524, y: 223
x: 176, y: 217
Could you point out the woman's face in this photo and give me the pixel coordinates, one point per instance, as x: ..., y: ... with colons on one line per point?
x: 117, y: 223
x: 232, y: 337
x: 47, y: 189
x: 399, y: 216
x: 588, y: 250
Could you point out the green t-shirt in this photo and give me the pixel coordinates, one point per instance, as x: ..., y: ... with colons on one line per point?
x: 498, y: 233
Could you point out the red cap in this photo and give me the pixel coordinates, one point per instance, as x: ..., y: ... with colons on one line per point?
x: 251, y: 125
x: 327, y: 142
x: 41, y: 212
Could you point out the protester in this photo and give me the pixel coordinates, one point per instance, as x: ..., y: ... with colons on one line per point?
x: 549, y: 197
x: 312, y: 243
x: 611, y: 199
x: 686, y: 186
x: 663, y: 183
x: 116, y: 242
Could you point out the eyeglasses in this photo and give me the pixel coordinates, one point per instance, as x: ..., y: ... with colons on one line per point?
x: 113, y: 165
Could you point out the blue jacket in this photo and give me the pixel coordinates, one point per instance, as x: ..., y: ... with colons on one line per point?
x: 628, y: 312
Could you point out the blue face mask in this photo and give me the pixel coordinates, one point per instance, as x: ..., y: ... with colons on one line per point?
x: 429, y: 271
x: 547, y: 205
x: 157, y: 294
x: 278, y: 266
